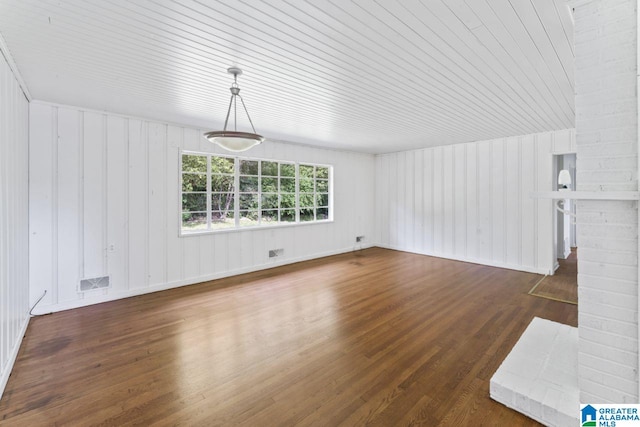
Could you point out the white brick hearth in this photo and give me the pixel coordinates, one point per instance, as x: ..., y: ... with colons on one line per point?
x: 540, y: 376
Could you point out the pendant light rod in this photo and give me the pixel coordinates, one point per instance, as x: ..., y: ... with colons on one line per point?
x: 248, y: 116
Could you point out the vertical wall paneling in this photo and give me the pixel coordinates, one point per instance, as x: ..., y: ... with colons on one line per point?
x: 472, y: 201
x: 157, y: 212
x: 408, y: 223
x: 382, y: 210
x: 172, y: 208
x: 392, y: 200
x: 14, y: 217
x: 69, y: 193
x: 498, y: 209
x: 191, y: 245
x: 475, y: 201
x: 116, y: 207
x: 459, y: 215
x: 137, y: 202
x: 418, y: 192
x: 42, y: 202
x: 93, y: 196
x: 448, y: 199
x: 529, y: 223
x: 544, y: 180
x: 484, y: 200
x: 438, y: 200
x: 513, y: 205
x: 117, y: 202
x: 428, y: 200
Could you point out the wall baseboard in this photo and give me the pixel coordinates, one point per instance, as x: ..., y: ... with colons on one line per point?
x: 102, y: 297
x: 97, y: 299
x: 6, y: 372
x: 473, y: 261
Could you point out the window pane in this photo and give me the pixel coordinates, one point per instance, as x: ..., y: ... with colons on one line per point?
x: 270, y: 185
x: 269, y: 217
x: 248, y: 218
x: 248, y: 201
x: 269, y: 201
x: 322, y: 172
x: 322, y: 186
x: 306, y: 200
x: 287, y: 200
x: 288, y: 215
x: 306, y: 186
x: 222, y: 183
x: 194, y: 163
x: 192, y: 221
x: 305, y: 171
x: 221, y: 220
x: 192, y: 202
x: 248, y: 167
x: 194, y: 182
x: 269, y: 169
x: 322, y: 200
x: 287, y: 169
x: 248, y: 183
x: 306, y: 214
x: 287, y: 185
x: 322, y: 213
x: 223, y: 165
x: 222, y: 202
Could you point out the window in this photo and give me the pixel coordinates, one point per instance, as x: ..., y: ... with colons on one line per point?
x: 221, y: 192
x: 314, y: 192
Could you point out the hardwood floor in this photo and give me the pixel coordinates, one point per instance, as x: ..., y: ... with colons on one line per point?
x: 563, y: 285
x: 376, y: 337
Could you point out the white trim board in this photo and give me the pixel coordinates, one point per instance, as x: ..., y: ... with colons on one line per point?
x: 4, y: 49
x: 488, y: 263
x: 98, y: 296
x: 4, y: 376
x: 587, y: 195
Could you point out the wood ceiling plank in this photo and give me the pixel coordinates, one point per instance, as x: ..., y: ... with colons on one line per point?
x: 376, y: 74
x: 491, y: 59
x: 498, y: 29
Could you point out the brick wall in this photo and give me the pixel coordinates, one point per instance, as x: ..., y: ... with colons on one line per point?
x: 607, y: 140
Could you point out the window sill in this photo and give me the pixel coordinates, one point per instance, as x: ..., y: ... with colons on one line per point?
x: 254, y: 228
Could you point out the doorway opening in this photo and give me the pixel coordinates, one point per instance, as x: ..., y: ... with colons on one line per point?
x: 562, y: 285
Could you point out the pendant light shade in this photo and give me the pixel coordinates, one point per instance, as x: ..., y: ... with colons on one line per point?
x: 234, y: 140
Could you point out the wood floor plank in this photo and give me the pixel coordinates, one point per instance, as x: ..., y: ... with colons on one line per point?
x: 374, y: 337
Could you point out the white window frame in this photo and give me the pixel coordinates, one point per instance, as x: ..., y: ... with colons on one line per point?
x: 236, y: 195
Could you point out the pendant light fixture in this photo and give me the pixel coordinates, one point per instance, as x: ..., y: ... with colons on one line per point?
x: 233, y: 140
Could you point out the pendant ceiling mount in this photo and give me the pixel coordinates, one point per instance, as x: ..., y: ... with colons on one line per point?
x: 232, y: 140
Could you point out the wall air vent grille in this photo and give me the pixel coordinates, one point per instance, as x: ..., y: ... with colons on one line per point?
x: 94, y: 283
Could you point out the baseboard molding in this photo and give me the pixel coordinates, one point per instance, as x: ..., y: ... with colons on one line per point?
x: 6, y: 371
x: 105, y: 297
x: 473, y: 260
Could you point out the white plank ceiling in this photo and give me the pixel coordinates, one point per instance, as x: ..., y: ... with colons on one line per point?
x: 367, y: 75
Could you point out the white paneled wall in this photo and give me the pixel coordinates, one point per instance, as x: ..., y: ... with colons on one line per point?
x: 105, y: 201
x: 14, y: 227
x: 472, y: 201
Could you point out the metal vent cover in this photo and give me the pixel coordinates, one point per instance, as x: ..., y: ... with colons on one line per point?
x: 95, y: 283
x: 275, y: 253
